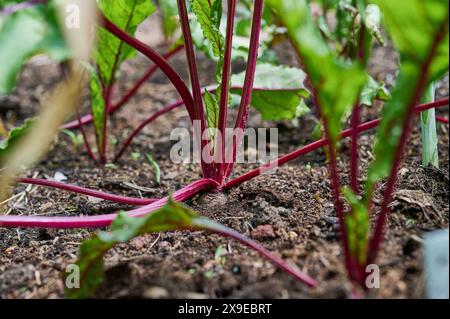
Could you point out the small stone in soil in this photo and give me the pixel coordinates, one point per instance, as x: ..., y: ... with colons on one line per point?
x: 263, y: 232
x: 331, y: 221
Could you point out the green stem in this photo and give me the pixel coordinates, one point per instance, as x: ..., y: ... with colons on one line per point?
x: 429, y: 134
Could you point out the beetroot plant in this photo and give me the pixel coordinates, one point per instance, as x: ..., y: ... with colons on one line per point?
x: 419, y: 31
x: 205, y: 33
x: 333, y: 77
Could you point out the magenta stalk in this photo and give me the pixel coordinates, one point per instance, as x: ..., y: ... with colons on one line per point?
x: 199, y: 111
x: 104, y: 220
x: 241, y: 118
x: 86, y: 191
x: 134, y: 89
x: 223, y: 107
x: 84, y: 135
x: 442, y: 119
x: 152, y: 118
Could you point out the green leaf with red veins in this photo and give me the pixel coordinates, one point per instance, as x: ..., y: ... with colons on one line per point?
x: 419, y: 31
x: 212, y: 112
x: 209, y: 16
x: 336, y: 83
x: 278, y: 93
x: 111, y: 51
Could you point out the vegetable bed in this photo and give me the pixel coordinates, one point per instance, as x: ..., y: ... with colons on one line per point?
x: 290, y: 212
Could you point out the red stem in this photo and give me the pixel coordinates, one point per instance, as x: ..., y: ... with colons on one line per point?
x: 442, y: 119
x: 89, y: 192
x: 183, y: 194
x: 354, y: 156
x: 173, y: 76
x: 189, y: 191
x: 199, y: 111
x: 103, y: 147
x: 247, y: 91
x: 85, y: 139
x: 336, y: 185
x: 104, y: 220
x: 223, y: 110
x: 149, y: 120
x: 128, y: 95
x: 377, y: 238
x: 355, y: 120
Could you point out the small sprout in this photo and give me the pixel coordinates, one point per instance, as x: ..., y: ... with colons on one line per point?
x: 113, y: 140
x: 410, y: 222
x: 208, y: 274
x: 219, y: 255
x: 191, y: 271
x: 308, y: 167
x: 110, y: 166
x: 135, y: 156
x: 76, y: 139
x: 155, y: 167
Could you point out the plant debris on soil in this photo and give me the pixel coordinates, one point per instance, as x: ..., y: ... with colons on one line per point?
x: 289, y: 211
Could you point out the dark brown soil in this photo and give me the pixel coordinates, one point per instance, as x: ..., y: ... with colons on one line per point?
x: 289, y: 212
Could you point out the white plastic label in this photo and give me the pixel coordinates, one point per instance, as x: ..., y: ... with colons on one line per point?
x: 436, y: 264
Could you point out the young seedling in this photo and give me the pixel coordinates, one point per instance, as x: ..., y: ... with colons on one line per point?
x: 76, y: 139
x: 155, y: 168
